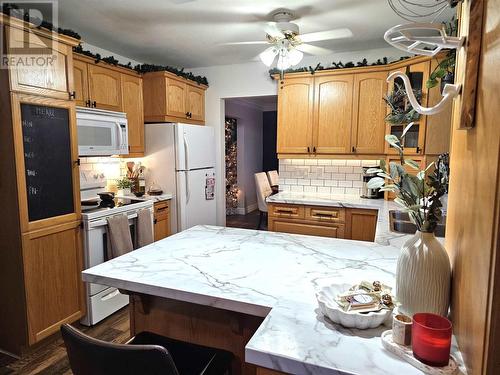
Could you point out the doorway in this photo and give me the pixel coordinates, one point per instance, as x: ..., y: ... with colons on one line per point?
x: 250, y: 147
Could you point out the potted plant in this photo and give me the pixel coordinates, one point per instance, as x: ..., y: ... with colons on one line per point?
x: 124, y: 186
x: 423, y: 270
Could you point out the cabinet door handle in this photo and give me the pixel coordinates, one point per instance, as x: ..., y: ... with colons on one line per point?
x: 72, y: 95
x: 155, y: 221
x: 308, y: 149
x: 77, y: 162
x: 94, y: 104
x: 87, y: 103
x: 314, y: 149
x: 418, y: 150
x: 159, y: 209
x: 353, y: 149
x: 284, y: 211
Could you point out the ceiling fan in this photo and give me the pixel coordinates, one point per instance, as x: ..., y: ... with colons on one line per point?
x: 288, y: 44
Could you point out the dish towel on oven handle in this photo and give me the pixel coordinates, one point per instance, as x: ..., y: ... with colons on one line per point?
x: 144, y: 228
x: 119, y: 236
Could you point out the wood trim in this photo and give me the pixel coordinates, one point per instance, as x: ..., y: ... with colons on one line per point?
x: 160, y: 118
x: 363, y: 69
x: 23, y: 25
x: 333, y: 156
x: 469, y: 56
x: 26, y: 225
x: 89, y: 60
x: 174, y: 76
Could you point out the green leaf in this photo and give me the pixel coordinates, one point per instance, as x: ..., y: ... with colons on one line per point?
x: 408, y: 127
x: 421, y: 175
x: 401, y: 202
x: 374, y: 170
x: 393, y: 141
x: 375, y: 183
x: 383, y: 164
x: 412, y: 163
x: 429, y: 166
x: 391, y: 187
x: 441, y: 73
x: 384, y: 175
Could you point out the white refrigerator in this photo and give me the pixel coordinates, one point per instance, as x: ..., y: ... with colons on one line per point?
x: 180, y: 158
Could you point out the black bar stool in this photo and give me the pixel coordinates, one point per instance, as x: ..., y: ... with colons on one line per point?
x: 145, y: 353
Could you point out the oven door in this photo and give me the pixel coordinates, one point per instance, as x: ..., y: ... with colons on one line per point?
x: 97, y: 244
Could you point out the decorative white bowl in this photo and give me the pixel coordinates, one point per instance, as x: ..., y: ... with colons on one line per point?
x: 350, y: 319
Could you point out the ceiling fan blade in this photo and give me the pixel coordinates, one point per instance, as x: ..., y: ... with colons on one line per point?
x: 244, y: 43
x: 313, y: 50
x: 325, y: 35
x: 272, y: 30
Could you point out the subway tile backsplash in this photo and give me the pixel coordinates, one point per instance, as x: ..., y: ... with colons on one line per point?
x: 323, y: 176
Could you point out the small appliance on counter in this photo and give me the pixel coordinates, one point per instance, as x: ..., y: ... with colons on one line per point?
x: 366, y: 192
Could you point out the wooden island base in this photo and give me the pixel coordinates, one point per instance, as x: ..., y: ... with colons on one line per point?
x: 196, y: 324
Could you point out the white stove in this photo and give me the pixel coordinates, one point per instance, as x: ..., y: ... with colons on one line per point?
x: 102, y: 300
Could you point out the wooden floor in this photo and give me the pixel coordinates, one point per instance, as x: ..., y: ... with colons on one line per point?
x: 248, y: 221
x: 50, y: 358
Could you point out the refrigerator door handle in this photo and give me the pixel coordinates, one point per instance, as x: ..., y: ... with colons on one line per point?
x: 186, y: 151
x: 188, y: 192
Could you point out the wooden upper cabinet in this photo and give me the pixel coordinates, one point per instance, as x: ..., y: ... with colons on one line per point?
x: 414, y: 141
x: 369, y: 111
x: 332, y: 114
x: 104, y: 88
x: 176, y: 98
x: 55, y: 78
x: 133, y: 107
x: 438, y: 126
x: 195, y: 103
x: 168, y: 98
x: 295, y: 115
x: 81, y: 82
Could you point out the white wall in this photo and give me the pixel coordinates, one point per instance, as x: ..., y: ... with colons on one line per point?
x: 249, y: 150
x: 252, y: 79
x: 105, y: 53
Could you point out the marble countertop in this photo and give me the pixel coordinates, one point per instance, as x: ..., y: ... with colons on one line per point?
x: 383, y: 233
x: 272, y: 275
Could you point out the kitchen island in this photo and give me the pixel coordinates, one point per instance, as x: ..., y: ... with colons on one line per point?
x: 253, y: 293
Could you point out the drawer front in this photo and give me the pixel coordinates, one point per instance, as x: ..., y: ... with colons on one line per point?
x: 333, y: 231
x: 288, y: 211
x: 325, y: 214
x: 161, y: 210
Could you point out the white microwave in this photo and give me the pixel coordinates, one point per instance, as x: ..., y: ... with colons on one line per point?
x: 101, y: 133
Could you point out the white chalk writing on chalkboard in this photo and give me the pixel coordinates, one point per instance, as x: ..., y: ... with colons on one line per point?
x: 45, y: 111
x: 27, y: 124
x: 30, y: 172
x: 29, y: 155
x: 32, y: 190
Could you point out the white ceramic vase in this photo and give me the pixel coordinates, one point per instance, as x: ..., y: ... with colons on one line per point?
x: 123, y: 192
x: 423, y: 276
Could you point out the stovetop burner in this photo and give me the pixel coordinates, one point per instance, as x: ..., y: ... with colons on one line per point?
x: 107, y: 204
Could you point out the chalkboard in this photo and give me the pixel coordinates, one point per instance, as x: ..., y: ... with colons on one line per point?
x: 47, y: 160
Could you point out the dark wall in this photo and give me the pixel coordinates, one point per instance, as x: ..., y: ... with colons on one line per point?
x: 269, y: 130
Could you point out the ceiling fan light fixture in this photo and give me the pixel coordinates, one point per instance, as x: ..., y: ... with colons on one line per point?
x: 295, y: 56
x: 268, y: 56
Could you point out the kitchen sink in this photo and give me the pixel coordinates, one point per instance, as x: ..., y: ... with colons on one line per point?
x: 399, y: 221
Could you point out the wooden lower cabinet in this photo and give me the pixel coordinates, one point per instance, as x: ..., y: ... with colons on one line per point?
x: 161, y: 220
x: 52, y: 260
x: 334, y: 222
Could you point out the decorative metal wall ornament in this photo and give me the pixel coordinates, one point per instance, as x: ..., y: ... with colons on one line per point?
x: 420, y: 10
x: 410, y: 38
x: 449, y: 92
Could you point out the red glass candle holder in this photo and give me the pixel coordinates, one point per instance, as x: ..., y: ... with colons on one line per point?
x: 431, y: 339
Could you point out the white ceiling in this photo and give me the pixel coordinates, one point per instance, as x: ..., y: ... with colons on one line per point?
x: 188, y: 33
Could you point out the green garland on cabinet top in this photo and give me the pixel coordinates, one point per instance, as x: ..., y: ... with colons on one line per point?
x: 142, y: 68
x: 335, y: 66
